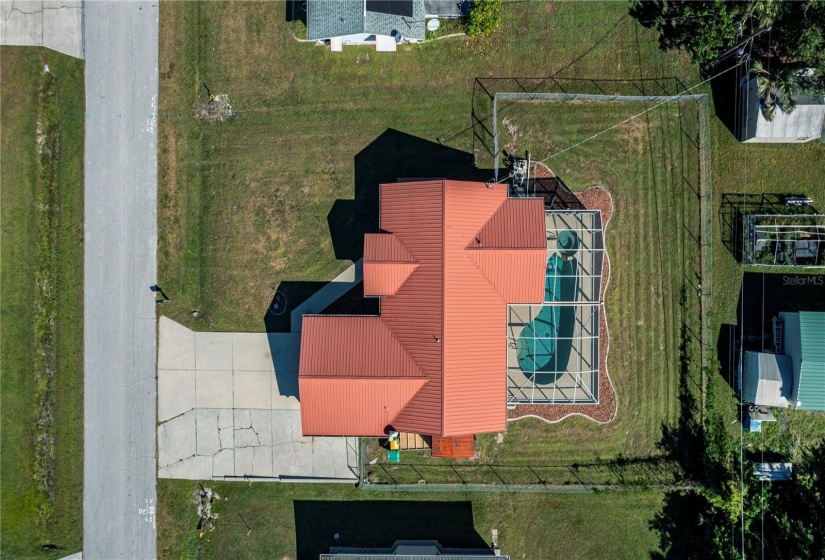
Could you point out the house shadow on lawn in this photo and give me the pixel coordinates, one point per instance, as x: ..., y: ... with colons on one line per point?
x: 295, y: 292
x: 391, y: 157
x: 376, y: 523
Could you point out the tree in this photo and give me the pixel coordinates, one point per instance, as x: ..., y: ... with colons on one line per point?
x: 484, y: 17
x: 792, y: 51
x: 775, y: 89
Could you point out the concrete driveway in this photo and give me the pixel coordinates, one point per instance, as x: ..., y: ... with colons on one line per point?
x: 228, y: 408
x: 56, y: 24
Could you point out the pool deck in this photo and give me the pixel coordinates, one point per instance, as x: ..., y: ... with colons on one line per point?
x: 579, y: 381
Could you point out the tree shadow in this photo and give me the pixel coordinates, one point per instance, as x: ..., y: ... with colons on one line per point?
x: 681, y: 531
x: 648, y: 13
x: 729, y: 100
x: 393, y: 156
x: 379, y: 524
x: 556, y: 194
x: 295, y: 10
x: 682, y: 441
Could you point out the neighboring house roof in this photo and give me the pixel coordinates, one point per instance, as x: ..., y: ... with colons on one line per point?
x: 447, y: 8
x: 336, y: 18
x: 768, y: 379
x: 475, y: 250
x: 805, y: 122
x: 811, y: 393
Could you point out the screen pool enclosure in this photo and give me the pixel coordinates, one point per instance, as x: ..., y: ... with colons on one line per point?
x: 553, y: 347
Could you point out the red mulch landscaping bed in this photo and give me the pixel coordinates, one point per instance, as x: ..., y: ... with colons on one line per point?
x: 593, y: 198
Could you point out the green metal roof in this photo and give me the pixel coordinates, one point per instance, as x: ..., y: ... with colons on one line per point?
x: 811, y: 393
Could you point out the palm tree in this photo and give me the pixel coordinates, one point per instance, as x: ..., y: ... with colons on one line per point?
x: 775, y: 89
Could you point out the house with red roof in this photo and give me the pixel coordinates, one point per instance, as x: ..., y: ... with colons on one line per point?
x: 450, y: 258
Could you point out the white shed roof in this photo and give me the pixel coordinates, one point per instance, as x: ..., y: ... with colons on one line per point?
x: 767, y: 379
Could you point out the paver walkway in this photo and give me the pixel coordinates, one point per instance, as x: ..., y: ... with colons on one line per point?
x: 228, y: 408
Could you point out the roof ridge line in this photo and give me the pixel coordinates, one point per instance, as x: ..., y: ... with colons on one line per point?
x: 443, y: 298
x: 484, y: 225
x: 367, y: 377
x: 484, y: 274
x: 403, y: 246
x: 404, y: 348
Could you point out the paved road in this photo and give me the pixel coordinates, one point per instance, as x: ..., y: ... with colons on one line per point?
x: 119, y: 492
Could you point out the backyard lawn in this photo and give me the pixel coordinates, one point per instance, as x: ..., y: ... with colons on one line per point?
x: 650, y: 166
x: 41, y: 462
x: 300, y: 520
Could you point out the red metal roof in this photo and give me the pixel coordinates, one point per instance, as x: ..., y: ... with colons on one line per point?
x: 385, y: 247
x: 357, y: 406
x: 386, y: 278
x: 361, y: 346
x: 476, y: 250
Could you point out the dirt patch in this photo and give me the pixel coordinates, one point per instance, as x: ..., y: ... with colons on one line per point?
x: 633, y: 131
x: 593, y: 198
x: 512, y: 131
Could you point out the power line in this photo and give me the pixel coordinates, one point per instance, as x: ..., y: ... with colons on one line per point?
x: 668, y: 100
x: 742, y: 334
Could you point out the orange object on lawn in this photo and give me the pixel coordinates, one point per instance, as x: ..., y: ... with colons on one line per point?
x: 454, y: 447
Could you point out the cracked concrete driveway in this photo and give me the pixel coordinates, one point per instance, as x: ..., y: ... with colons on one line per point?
x: 228, y: 408
x: 56, y: 24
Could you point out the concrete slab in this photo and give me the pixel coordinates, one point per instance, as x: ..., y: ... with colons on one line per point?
x: 213, y: 351
x: 242, y: 418
x: 63, y: 26
x: 262, y: 461
x: 250, y: 352
x: 55, y: 24
x: 282, y: 430
x: 176, y: 439
x: 302, y: 460
x: 262, y: 425
x: 234, y: 422
x: 208, y: 433
x: 191, y: 468
x: 223, y: 463
x: 176, y: 345
x: 253, y: 389
x: 244, y: 456
x: 176, y: 392
x: 213, y: 389
x: 246, y: 437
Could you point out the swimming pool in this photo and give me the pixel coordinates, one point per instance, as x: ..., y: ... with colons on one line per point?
x: 545, y: 343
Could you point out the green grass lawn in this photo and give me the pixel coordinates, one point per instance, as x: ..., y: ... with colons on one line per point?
x: 41, y: 238
x: 299, y: 521
x: 245, y: 205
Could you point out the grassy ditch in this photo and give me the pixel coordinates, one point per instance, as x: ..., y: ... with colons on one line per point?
x: 42, y: 303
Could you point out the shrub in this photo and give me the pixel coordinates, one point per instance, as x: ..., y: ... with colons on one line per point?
x: 484, y: 17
